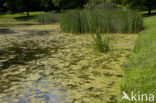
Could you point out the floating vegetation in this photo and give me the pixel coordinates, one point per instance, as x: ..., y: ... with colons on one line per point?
x: 52, y: 68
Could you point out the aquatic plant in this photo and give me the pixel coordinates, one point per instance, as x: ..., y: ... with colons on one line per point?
x: 75, y: 22
x: 103, y: 43
x: 48, y: 18
x: 110, y: 21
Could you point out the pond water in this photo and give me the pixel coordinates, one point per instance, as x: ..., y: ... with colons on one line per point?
x: 59, y: 68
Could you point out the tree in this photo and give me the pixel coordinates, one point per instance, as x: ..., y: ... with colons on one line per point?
x: 2, y: 7
x: 48, y: 5
x: 101, y: 4
x: 22, y: 5
x: 69, y: 4
x: 139, y: 4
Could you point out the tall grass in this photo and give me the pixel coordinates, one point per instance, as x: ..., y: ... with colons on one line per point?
x: 110, y: 21
x: 75, y: 22
x: 48, y: 18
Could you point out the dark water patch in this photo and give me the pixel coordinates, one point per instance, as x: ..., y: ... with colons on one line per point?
x: 110, y: 84
x: 90, y: 89
x: 6, y: 31
x: 8, y: 25
x: 125, y: 65
x: 113, y: 99
x: 39, y: 32
x: 96, y: 73
x: 108, y: 74
x: 17, y: 24
x: 84, y: 76
x: 22, y: 55
x: 120, y: 76
x: 72, y: 86
x: 106, y: 67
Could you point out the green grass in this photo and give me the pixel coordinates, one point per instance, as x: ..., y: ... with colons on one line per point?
x: 19, y: 17
x: 110, y: 21
x: 140, y: 76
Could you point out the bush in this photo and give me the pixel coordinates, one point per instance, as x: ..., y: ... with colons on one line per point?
x: 110, y: 21
x: 48, y: 18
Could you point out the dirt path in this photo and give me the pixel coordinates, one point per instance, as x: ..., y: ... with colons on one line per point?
x: 38, y: 64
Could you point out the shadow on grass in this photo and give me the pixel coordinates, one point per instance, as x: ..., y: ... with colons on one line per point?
x: 148, y: 15
x: 25, y: 18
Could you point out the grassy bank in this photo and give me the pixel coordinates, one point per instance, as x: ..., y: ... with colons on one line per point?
x: 140, y: 76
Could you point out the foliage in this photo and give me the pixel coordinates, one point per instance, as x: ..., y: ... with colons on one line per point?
x: 101, y: 4
x: 47, y: 5
x: 140, y: 75
x: 69, y: 4
x: 110, y: 21
x: 139, y: 4
x: 22, y: 5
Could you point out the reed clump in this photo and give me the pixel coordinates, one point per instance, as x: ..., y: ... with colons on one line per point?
x: 48, y: 18
x: 110, y: 21
x: 103, y: 42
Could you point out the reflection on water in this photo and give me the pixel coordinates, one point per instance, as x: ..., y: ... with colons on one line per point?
x: 40, y: 92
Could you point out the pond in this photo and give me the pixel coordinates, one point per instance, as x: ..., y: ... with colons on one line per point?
x: 59, y: 68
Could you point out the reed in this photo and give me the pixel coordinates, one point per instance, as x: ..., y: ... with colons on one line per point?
x: 110, y: 21
x: 48, y: 18
x: 103, y: 42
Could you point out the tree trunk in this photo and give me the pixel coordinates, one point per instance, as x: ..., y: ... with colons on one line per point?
x: 28, y: 14
x: 149, y: 9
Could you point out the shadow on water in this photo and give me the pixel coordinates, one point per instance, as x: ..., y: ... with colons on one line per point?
x: 39, y: 32
x: 6, y: 31
x: 21, y: 55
